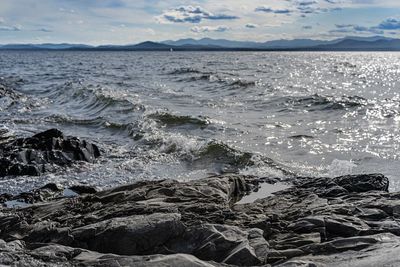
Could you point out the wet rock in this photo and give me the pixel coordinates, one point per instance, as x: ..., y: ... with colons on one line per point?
x: 222, y: 243
x: 83, y: 189
x: 377, y: 250
x: 316, y: 222
x: 363, y: 183
x: 16, y: 253
x: 88, y: 259
x: 133, y: 235
x: 48, y: 192
x: 282, y: 255
x: 35, y: 155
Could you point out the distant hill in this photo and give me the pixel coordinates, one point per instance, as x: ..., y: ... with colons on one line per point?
x: 352, y: 43
x: 296, y: 43
x: 213, y: 42
x: 46, y: 46
x: 153, y: 46
x: 145, y: 46
x: 275, y: 44
x: 357, y: 45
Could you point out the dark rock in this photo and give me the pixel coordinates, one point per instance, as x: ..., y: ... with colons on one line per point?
x: 281, y: 255
x: 52, y: 187
x: 34, y: 155
x: 344, y: 226
x: 16, y: 253
x: 133, y: 235
x: 48, y: 192
x: 377, y: 250
x: 363, y: 183
x: 345, y: 221
x: 221, y: 243
x: 83, y: 189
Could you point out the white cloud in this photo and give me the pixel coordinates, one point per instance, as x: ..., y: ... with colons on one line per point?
x: 191, y: 14
x: 203, y: 29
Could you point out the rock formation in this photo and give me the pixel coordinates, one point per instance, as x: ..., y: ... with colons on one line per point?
x: 316, y: 222
x: 37, y: 154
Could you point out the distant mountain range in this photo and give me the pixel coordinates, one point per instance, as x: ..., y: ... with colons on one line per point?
x: 352, y: 43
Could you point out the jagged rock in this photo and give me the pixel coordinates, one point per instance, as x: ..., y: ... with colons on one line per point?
x: 88, y: 259
x: 222, y: 243
x: 317, y: 222
x: 363, y: 183
x: 17, y: 254
x: 377, y: 250
x: 133, y: 235
x: 34, y: 155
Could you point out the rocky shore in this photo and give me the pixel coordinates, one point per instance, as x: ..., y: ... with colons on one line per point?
x: 342, y: 221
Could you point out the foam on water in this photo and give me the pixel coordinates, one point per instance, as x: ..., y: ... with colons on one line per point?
x: 340, y: 168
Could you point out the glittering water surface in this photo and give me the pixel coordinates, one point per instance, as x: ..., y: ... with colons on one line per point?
x: 186, y: 115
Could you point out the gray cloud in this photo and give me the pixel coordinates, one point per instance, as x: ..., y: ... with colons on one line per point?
x: 353, y: 28
x: 389, y: 24
x: 306, y: 2
x: 251, y: 26
x: 192, y: 14
x: 44, y: 30
x: 270, y: 10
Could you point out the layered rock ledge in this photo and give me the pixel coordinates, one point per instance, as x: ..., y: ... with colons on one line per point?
x: 343, y: 221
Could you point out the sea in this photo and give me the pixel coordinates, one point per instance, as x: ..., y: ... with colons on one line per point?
x: 189, y: 115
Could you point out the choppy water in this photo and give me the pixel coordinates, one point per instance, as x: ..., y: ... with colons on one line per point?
x: 186, y: 115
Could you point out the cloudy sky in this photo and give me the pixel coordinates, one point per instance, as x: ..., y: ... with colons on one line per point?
x: 133, y: 21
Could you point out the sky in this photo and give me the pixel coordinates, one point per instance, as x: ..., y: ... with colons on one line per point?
x: 132, y: 21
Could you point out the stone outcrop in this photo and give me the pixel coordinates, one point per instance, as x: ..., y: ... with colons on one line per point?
x: 316, y: 222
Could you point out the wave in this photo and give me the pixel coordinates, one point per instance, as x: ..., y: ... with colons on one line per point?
x: 12, y: 81
x: 217, y: 157
x: 10, y: 99
x: 90, y: 102
x: 95, y: 122
x: 183, y: 71
x: 227, y: 159
x: 6, y: 91
x: 301, y: 137
x: 198, y: 154
x: 320, y: 103
x: 242, y: 83
x: 171, y: 120
x: 230, y: 82
x: 212, y: 77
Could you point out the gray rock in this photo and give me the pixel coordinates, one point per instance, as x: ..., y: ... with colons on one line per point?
x: 377, y: 250
x: 317, y: 222
x: 133, y: 235
x: 222, y: 243
x: 363, y: 183
x: 16, y: 254
x: 35, y: 155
